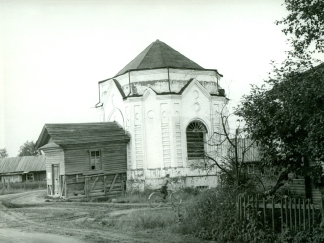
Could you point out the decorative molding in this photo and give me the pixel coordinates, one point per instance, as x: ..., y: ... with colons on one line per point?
x: 196, y: 106
x: 195, y: 82
x: 166, y: 146
x: 165, y: 129
x: 139, y: 157
x: 149, y: 91
x: 150, y: 114
x: 195, y: 94
x: 169, y: 97
x: 178, y: 145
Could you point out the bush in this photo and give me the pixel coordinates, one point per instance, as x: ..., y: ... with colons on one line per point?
x: 213, y: 216
x: 210, y: 214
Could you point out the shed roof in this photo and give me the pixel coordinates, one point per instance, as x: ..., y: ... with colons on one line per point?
x: 81, y: 133
x: 159, y: 55
x: 22, y: 164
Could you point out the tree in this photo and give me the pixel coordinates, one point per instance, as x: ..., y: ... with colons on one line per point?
x: 285, y: 115
x: 3, y: 153
x: 304, y: 27
x: 287, y: 119
x: 28, y: 149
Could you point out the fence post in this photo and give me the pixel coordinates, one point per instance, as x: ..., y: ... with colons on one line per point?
x: 299, y: 218
x: 241, y: 208
x: 304, y: 215
x: 295, y: 213
x: 105, y: 189
x: 281, y: 212
x: 272, y: 216
x: 286, y: 211
x: 309, y: 214
x: 264, y: 212
x: 253, y: 206
x: 86, y: 186
x: 290, y: 213
x: 65, y: 185
x: 244, y: 208
x: 248, y: 207
x: 313, y: 212
x: 257, y: 203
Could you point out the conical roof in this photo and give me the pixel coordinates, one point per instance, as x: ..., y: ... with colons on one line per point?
x: 159, y: 55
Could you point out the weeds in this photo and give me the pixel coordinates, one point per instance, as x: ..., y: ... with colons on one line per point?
x: 213, y: 216
x: 152, y: 219
x: 22, y: 187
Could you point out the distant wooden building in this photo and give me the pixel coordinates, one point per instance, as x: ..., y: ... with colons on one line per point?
x: 84, y: 159
x: 21, y: 169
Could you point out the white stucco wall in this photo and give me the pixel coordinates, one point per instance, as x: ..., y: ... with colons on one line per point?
x: 157, y: 124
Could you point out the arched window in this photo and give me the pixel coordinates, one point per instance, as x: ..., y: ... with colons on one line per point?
x: 196, y: 137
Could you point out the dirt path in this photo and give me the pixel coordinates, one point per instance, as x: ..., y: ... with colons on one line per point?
x: 14, y: 236
x: 27, y: 217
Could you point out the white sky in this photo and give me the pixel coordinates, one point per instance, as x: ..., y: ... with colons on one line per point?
x: 53, y: 53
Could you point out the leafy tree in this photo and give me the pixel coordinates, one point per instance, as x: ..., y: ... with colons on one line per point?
x: 285, y: 115
x: 287, y: 119
x: 3, y: 153
x: 304, y: 27
x: 27, y: 149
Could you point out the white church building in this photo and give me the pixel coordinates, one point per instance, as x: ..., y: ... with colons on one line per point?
x: 170, y: 106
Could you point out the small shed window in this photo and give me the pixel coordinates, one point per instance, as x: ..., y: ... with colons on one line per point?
x: 95, y: 160
x: 30, y: 177
x: 196, y: 136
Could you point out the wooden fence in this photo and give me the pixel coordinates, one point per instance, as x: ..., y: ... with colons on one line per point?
x: 292, y: 213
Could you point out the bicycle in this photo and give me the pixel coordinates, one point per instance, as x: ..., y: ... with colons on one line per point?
x: 156, y: 198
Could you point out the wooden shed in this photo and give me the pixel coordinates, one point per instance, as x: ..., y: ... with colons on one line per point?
x: 84, y: 159
x: 21, y: 169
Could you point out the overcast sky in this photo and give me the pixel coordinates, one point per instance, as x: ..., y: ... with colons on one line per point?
x: 53, y: 53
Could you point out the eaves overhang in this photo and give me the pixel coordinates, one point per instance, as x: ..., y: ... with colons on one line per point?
x: 145, y: 69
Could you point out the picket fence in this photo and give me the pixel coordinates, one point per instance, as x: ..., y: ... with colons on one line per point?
x: 279, y: 214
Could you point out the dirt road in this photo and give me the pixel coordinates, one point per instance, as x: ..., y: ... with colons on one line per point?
x: 26, y: 217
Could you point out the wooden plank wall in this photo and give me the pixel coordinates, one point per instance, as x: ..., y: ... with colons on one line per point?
x: 113, y: 158
x: 53, y: 156
x: 298, y: 186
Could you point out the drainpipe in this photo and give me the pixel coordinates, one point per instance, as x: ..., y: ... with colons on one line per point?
x: 129, y: 83
x: 217, y: 80
x: 169, y: 80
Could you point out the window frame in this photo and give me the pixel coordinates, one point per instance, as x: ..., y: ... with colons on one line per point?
x: 30, y: 177
x: 93, y: 166
x: 196, y: 127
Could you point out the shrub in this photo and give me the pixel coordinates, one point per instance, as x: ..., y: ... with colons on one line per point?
x: 213, y: 216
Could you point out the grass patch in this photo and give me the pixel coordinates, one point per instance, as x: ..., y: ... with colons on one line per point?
x: 153, y: 219
x: 143, y: 219
x: 18, y: 187
x: 187, y: 194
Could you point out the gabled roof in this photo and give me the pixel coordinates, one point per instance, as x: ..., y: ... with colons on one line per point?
x: 159, y: 55
x: 81, y: 133
x: 22, y: 164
